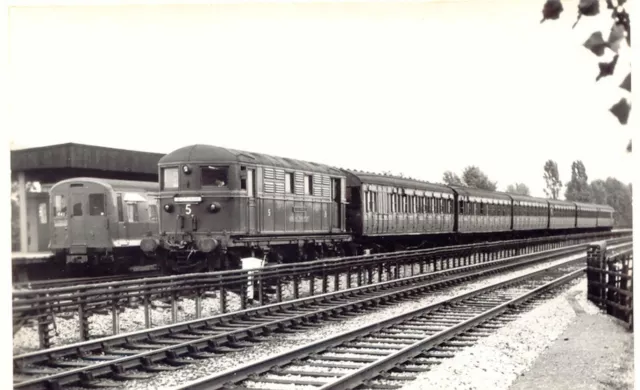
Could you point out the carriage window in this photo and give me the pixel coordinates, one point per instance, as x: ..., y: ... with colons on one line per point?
x: 96, y: 204
x: 42, y: 213
x: 169, y: 178
x: 211, y: 176
x: 59, y: 206
x: 133, y: 214
x: 153, y: 213
x: 461, y: 207
x: 288, y: 183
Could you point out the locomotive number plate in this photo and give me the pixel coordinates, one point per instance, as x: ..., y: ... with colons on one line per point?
x: 187, y: 199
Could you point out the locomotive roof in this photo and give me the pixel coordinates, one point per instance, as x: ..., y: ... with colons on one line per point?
x: 215, y: 154
x: 394, y: 181
x: 478, y: 193
x: 115, y: 184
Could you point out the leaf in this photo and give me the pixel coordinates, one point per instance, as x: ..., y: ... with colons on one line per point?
x: 607, y: 68
x: 551, y: 10
x: 626, y: 83
x: 587, y: 8
x: 621, y: 111
x: 616, y: 35
x: 596, y: 43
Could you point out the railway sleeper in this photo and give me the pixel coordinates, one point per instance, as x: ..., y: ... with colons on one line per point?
x: 120, y: 374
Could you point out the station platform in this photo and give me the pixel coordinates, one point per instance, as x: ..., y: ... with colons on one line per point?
x: 30, y: 257
x: 594, y: 352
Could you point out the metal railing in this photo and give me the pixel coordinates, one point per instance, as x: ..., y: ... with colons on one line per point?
x: 42, y: 305
x: 610, y: 281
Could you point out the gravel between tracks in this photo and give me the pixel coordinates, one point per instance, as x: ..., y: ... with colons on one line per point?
x: 281, y: 343
x: 66, y: 330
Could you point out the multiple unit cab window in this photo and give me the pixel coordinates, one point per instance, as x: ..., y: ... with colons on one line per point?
x: 59, y: 206
x: 169, y: 178
x: 212, y: 176
x: 96, y: 204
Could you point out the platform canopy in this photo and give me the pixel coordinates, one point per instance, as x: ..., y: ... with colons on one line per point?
x: 49, y: 164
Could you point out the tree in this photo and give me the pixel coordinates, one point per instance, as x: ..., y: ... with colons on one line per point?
x: 451, y: 179
x: 552, y: 179
x: 619, y: 196
x: 599, y: 192
x: 474, y: 177
x: 620, y: 32
x: 578, y: 189
x: 518, y: 189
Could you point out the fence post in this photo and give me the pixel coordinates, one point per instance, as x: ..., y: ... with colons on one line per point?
x: 595, y: 278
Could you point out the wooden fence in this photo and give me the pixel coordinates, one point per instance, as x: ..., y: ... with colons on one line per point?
x: 610, y: 280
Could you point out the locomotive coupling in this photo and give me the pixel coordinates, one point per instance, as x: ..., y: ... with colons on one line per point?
x: 149, y: 244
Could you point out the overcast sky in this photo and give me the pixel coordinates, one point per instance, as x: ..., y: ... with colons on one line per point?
x: 412, y: 87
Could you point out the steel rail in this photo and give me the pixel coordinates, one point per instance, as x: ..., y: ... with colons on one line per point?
x: 271, y: 318
x: 381, y: 362
x: 57, y: 299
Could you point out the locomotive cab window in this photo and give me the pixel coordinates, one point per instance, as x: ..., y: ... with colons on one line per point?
x: 288, y: 183
x: 308, y: 185
x: 169, y: 178
x: 96, y: 205
x: 153, y: 213
x: 211, y: 176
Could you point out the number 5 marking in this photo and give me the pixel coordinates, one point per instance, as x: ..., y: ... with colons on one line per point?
x: 187, y: 209
x: 268, y: 212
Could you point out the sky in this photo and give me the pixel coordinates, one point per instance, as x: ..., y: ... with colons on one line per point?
x: 417, y: 87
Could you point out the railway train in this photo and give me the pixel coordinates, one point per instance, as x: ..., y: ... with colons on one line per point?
x: 218, y: 206
x: 96, y: 225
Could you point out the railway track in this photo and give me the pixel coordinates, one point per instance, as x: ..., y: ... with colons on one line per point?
x: 54, y: 283
x: 164, y: 348
x: 388, y: 354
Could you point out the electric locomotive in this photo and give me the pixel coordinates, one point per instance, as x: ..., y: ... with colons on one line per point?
x: 220, y: 205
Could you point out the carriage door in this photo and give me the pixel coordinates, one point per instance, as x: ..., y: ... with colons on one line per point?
x: 336, y: 198
x: 77, y: 229
x: 251, y: 196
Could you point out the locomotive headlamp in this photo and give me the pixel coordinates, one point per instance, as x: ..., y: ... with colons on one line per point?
x: 168, y: 208
x: 214, y: 207
x: 186, y: 169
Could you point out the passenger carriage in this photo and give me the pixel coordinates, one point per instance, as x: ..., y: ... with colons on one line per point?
x: 386, y: 205
x: 605, y: 216
x: 480, y: 211
x: 220, y: 205
x: 101, y: 221
x: 562, y: 214
x: 587, y: 215
x: 529, y: 213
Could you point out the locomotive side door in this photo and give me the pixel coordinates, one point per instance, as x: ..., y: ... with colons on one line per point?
x: 251, y: 200
x: 336, y: 198
x: 96, y: 219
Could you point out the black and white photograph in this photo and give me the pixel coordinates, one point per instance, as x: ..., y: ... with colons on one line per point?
x: 320, y: 194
